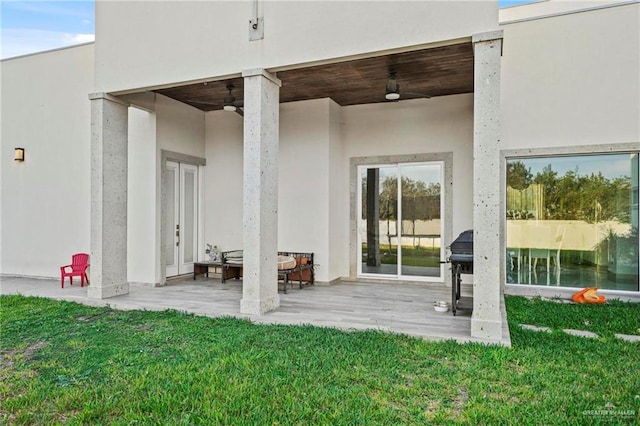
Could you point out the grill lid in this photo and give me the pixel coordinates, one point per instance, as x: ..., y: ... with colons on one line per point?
x: 463, y: 244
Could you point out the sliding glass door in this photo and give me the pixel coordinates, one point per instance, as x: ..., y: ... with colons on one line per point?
x: 400, y: 223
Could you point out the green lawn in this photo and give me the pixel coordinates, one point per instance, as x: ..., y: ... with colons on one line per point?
x: 411, y: 256
x: 68, y: 363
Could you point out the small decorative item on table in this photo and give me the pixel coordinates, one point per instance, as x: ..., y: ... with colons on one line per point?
x: 213, y: 252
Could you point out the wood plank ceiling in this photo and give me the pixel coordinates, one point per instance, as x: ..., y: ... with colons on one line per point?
x: 440, y: 71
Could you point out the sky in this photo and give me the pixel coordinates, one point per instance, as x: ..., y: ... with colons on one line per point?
x: 35, y: 26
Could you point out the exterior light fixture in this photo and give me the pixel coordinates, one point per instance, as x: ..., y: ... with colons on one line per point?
x: 393, y: 88
x: 229, y: 103
x: 19, y: 154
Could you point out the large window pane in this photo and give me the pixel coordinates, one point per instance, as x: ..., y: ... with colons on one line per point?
x: 420, y: 189
x: 572, y: 221
x: 379, y: 220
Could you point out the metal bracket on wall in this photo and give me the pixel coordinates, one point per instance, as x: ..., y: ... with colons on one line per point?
x: 256, y: 29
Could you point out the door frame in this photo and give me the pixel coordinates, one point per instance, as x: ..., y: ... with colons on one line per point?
x: 446, y: 160
x: 201, y: 163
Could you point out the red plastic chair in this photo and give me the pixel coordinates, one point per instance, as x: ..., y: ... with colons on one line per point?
x: 79, y: 265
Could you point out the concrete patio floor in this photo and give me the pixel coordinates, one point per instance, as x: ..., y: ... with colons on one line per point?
x: 392, y: 307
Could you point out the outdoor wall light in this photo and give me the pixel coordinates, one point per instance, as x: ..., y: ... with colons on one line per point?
x: 19, y: 154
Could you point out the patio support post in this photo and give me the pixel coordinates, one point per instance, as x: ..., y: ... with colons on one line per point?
x: 486, y: 320
x: 109, y: 127
x: 260, y: 208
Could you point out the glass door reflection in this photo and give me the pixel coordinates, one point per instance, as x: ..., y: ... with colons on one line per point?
x: 421, y: 224
x: 400, y: 221
x: 379, y: 220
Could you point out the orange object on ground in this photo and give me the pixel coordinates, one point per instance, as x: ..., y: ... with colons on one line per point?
x: 588, y: 295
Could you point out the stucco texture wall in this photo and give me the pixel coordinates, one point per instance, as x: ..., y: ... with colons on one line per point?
x: 143, y: 216
x: 572, y: 79
x: 45, y: 200
x: 177, y: 41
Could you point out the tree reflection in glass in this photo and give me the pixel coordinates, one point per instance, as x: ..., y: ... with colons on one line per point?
x: 573, y: 221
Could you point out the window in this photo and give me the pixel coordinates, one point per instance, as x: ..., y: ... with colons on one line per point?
x: 572, y: 221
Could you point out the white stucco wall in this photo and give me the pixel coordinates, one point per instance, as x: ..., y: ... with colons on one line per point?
x: 304, y: 191
x: 143, y: 220
x: 45, y: 200
x: 180, y: 127
x: 224, y: 193
x: 338, y: 197
x: 177, y: 41
x: 572, y: 79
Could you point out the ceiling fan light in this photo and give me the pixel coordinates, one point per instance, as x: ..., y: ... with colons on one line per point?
x: 229, y: 103
x: 392, y: 92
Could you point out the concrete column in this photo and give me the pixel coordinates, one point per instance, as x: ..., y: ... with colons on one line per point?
x: 260, y: 214
x: 486, y: 320
x: 109, y: 126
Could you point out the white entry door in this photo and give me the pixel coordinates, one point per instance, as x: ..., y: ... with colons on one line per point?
x: 181, y: 211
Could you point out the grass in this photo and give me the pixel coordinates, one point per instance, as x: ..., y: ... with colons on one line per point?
x: 411, y: 255
x: 67, y: 363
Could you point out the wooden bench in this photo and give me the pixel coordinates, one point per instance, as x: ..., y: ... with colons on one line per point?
x: 303, y: 272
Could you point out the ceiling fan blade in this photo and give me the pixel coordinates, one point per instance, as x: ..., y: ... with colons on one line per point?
x: 240, y: 112
x: 201, y: 102
x: 420, y: 95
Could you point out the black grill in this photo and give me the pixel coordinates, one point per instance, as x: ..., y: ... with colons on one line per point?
x: 461, y: 263
x: 462, y: 251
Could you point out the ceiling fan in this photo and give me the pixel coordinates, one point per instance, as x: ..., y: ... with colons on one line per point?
x: 392, y: 90
x: 229, y: 102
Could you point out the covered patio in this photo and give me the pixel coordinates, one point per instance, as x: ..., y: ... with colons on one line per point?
x: 391, y: 307
x: 465, y: 72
